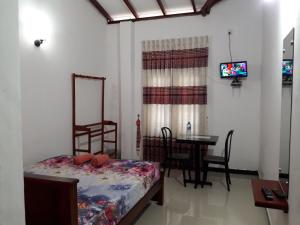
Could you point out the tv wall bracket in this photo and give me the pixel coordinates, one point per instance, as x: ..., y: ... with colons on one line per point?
x: 236, y: 82
x: 287, y: 81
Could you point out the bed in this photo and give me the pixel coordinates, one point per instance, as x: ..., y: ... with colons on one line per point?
x: 57, y: 192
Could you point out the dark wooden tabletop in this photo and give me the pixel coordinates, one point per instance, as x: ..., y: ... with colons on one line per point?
x: 259, y: 198
x: 198, y: 139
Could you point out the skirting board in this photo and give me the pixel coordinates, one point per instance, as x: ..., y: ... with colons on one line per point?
x: 284, y: 176
x: 234, y: 171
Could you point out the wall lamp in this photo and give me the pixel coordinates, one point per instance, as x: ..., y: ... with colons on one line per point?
x: 38, y: 42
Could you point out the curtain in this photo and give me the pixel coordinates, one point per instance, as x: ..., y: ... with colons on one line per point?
x: 174, y: 90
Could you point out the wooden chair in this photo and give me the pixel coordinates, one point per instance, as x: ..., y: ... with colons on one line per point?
x: 184, y: 159
x: 220, y: 160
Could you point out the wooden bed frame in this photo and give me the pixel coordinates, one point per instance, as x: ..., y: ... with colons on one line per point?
x: 53, y: 200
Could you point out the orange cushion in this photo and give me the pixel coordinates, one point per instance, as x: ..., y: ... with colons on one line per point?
x: 80, y: 159
x: 100, y: 160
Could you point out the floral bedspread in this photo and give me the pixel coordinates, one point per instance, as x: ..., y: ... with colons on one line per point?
x: 105, y: 194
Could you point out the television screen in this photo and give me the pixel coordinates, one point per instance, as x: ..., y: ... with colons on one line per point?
x: 287, y: 67
x: 234, y: 69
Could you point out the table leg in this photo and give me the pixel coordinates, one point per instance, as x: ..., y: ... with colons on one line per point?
x: 198, y: 160
x: 201, y: 181
x: 197, y: 164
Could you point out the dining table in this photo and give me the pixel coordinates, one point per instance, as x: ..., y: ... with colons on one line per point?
x: 199, y: 142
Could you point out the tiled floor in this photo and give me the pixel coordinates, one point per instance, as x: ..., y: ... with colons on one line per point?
x: 208, y: 206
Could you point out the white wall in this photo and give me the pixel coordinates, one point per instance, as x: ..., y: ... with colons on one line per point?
x: 279, y: 18
x: 11, y: 164
x: 227, y: 108
x: 75, y: 42
x: 127, y: 81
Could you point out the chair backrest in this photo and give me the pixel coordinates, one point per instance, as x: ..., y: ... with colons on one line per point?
x: 167, y: 141
x: 228, y: 145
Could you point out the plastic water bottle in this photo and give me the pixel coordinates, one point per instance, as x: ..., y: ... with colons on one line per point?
x: 188, y: 129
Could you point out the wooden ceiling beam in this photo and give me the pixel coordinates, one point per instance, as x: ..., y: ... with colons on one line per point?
x: 194, y: 5
x: 205, y: 10
x: 131, y: 8
x: 101, y: 10
x: 157, y: 17
x: 161, y: 6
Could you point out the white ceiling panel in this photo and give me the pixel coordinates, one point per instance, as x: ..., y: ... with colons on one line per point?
x: 146, y: 8
x: 116, y: 9
x: 199, y: 4
x: 178, y: 6
x: 124, y: 16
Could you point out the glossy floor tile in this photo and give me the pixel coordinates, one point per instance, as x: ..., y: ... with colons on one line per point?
x: 207, y: 206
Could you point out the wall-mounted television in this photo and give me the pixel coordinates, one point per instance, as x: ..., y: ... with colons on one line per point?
x: 287, y: 67
x: 234, y: 69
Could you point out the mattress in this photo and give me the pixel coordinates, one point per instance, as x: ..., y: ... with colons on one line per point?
x: 106, y: 194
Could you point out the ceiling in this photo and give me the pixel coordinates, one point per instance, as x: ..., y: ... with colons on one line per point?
x: 116, y: 11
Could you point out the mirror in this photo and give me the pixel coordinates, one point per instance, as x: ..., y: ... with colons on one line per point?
x: 286, y: 108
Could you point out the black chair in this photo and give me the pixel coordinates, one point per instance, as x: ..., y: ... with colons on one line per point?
x: 220, y: 160
x: 184, y: 159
